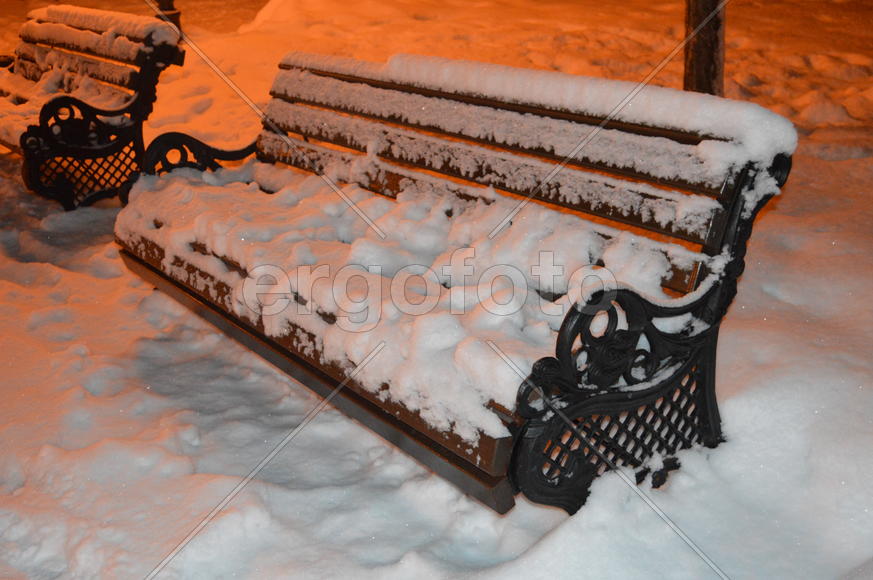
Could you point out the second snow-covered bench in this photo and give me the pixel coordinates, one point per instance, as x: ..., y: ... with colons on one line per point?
x: 81, y: 85
x: 429, y: 288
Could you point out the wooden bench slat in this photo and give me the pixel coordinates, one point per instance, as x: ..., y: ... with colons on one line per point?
x: 575, y: 116
x: 136, y: 28
x: 41, y: 59
x: 84, y: 41
x: 638, y: 204
x: 389, y: 180
x: 612, y: 151
x: 90, y: 27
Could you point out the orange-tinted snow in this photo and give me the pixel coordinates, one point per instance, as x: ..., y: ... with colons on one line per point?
x: 125, y: 419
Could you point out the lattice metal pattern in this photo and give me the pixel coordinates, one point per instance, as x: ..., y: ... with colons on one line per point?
x: 627, y: 438
x: 88, y: 176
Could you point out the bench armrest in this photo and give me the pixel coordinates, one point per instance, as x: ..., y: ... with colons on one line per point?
x: 639, y: 340
x: 79, y: 153
x: 191, y: 152
x: 73, y: 121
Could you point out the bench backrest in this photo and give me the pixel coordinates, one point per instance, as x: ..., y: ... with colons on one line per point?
x: 671, y: 166
x: 122, y: 52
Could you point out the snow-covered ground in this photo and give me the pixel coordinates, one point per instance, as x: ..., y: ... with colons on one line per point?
x: 125, y: 419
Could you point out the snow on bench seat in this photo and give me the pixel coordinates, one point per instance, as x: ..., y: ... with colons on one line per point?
x: 438, y: 363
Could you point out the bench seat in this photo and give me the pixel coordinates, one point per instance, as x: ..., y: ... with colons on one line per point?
x: 228, y: 231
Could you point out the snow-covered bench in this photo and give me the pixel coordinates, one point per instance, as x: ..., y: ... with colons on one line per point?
x: 74, y: 99
x: 463, y: 290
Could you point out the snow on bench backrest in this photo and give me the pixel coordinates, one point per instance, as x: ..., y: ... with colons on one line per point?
x: 109, y: 47
x: 133, y: 26
x: 667, y: 163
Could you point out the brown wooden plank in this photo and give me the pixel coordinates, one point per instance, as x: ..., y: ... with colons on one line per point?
x: 621, y: 201
x: 495, y: 491
x: 410, y: 109
x: 388, y: 180
x: 74, y: 63
x: 14, y: 146
x: 166, y: 53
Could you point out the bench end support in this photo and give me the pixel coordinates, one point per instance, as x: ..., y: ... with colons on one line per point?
x: 630, y: 396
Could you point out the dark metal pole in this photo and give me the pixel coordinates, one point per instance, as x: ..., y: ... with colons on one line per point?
x: 169, y: 10
x: 704, y: 53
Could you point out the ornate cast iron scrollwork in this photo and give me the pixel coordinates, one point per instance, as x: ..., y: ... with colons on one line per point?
x: 618, y: 391
x: 188, y: 152
x: 629, y: 349
x: 79, y: 153
x: 630, y: 381
x: 73, y: 122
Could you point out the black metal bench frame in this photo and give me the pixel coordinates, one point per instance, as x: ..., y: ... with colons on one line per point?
x: 592, y: 420
x: 78, y: 153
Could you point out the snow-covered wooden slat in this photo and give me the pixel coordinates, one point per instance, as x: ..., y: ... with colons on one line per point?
x: 389, y: 179
x: 135, y: 27
x: 381, y: 75
x: 439, y: 450
x: 668, y: 158
x: 109, y: 46
x: 663, y: 211
x: 36, y: 60
x: 755, y: 134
